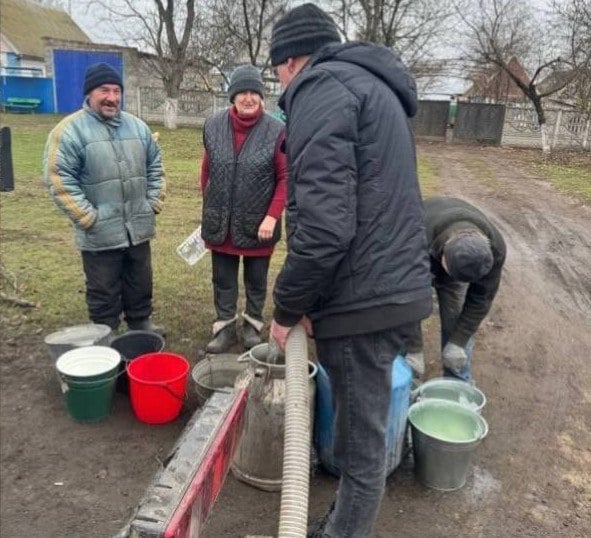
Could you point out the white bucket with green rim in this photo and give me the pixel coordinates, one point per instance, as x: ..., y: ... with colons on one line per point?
x: 88, y: 377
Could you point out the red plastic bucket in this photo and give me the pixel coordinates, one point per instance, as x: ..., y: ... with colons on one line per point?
x: 157, y: 386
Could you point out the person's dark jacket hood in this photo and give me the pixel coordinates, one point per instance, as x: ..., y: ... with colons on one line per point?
x: 379, y: 61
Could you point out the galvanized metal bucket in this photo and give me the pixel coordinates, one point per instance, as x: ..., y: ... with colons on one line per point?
x: 454, y: 390
x: 216, y: 374
x: 444, y: 436
x: 68, y: 338
x: 258, y: 460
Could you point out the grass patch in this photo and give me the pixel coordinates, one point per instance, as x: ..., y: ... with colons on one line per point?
x: 43, y: 266
x: 428, y: 176
x: 574, y: 180
x: 483, y: 172
x: 568, y: 171
x: 38, y: 251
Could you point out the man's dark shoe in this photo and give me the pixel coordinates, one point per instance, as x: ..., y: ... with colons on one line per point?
x: 145, y: 325
x: 223, y: 340
x: 317, y: 525
x: 251, y: 336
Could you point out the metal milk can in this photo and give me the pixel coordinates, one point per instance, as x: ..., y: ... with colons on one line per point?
x: 258, y: 460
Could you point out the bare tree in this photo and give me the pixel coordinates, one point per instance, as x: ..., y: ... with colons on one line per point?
x: 574, y: 26
x: 161, y: 27
x: 500, y: 30
x: 414, y: 28
x: 236, y: 33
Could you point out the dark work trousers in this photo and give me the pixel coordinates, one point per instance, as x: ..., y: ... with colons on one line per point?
x: 451, y: 297
x: 225, y: 284
x: 360, y: 371
x: 118, y: 281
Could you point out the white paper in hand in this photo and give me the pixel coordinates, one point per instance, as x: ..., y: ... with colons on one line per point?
x: 193, y: 248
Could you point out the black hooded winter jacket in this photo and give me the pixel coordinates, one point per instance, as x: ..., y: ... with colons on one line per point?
x: 357, y: 257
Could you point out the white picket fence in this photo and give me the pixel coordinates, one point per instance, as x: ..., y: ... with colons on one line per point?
x: 194, y: 107
x: 566, y: 129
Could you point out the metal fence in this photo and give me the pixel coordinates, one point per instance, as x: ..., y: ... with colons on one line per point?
x: 431, y: 119
x: 478, y: 122
x: 194, y: 107
x: 149, y: 104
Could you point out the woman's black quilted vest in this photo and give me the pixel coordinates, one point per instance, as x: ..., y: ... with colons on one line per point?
x: 240, y: 186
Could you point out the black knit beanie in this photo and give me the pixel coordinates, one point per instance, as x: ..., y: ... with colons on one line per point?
x: 99, y: 74
x: 468, y: 257
x: 245, y: 78
x: 302, y: 31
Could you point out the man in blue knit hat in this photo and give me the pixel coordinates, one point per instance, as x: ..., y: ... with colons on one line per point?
x: 103, y: 169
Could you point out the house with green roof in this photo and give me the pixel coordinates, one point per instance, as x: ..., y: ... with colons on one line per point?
x: 23, y: 25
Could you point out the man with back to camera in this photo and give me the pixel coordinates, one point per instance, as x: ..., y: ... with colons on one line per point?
x: 467, y: 255
x: 357, y: 271
x: 103, y: 170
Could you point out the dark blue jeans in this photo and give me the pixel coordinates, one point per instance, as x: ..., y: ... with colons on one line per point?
x: 451, y: 297
x: 118, y: 281
x: 360, y: 371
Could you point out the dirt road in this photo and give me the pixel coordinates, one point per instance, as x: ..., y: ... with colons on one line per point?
x: 531, y: 476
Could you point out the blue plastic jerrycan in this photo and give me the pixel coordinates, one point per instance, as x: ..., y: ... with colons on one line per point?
x: 397, y: 417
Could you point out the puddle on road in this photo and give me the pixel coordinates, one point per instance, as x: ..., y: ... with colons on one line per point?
x: 483, y: 487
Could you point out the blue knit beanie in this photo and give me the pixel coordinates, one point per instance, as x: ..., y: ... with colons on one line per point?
x: 99, y: 74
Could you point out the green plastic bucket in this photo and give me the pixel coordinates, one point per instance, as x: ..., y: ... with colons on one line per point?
x: 88, y: 376
x: 444, y: 436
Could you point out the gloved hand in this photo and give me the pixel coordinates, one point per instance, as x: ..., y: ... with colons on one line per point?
x: 416, y: 361
x: 454, y: 357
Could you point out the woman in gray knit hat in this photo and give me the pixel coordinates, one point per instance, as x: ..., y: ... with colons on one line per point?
x: 243, y: 181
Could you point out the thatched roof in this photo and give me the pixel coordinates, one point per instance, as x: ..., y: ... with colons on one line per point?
x: 24, y: 23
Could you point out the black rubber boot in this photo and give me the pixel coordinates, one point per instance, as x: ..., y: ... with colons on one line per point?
x: 144, y: 325
x: 250, y: 335
x: 223, y: 340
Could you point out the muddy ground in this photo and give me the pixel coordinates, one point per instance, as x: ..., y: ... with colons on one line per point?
x: 531, y: 476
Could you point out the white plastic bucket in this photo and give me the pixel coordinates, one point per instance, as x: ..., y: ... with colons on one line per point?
x: 89, y: 361
x: 88, y: 376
